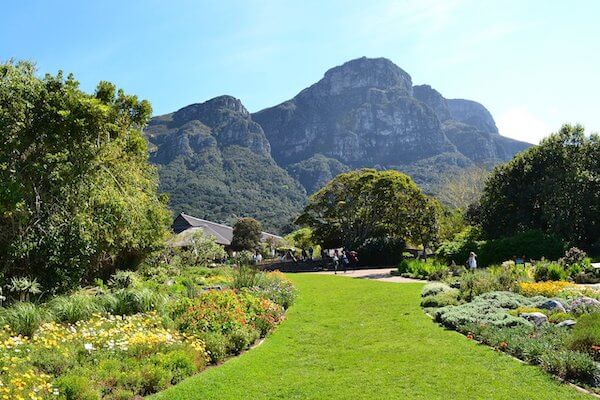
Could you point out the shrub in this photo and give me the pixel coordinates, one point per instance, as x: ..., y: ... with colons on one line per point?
x: 75, y: 307
x: 277, y: 288
x: 549, y: 271
x: 122, y: 279
x: 442, y: 299
x: 480, y: 311
x: 76, y: 387
x: 586, y: 335
x: 433, y: 288
x: 534, y: 244
x: 24, y: 318
x: 245, y: 276
x: 570, y: 365
x: 559, y: 317
x: 131, y: 301
x: 430, y: 269
x: 547, y: 289
x: 573, y: 256
x: 216, y: 346
x: 214, y: 311
x: 489, y: 280
x: 242, y: 338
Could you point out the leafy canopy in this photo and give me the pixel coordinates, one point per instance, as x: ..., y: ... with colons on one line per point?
x: 246, y: 234
x: 553, y: 187
x: 77, y: 195
x: 363, y: 205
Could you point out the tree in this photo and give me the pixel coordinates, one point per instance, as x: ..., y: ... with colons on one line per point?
x: 77, y: 195
x: 204, y: 249
x: 553, y: 187
x: 246, y: 234
x: 302, y: 238
x: 366, y: 206
x: 461, y: 190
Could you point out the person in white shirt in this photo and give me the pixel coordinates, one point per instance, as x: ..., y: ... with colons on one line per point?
x: 472, y: 261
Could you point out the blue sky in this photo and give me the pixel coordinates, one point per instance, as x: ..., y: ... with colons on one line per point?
x: 533, y: 64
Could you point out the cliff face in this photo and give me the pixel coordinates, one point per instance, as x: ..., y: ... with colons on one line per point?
x: 218, y: 161
x: 366, y: 113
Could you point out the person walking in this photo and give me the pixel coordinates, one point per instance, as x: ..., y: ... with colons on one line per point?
x: 311, y: 251
x: 345, y: 261
x: 472, y: 261
x: 336, y: 261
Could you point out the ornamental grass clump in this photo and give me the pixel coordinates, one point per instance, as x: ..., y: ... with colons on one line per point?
x: 586, y: 335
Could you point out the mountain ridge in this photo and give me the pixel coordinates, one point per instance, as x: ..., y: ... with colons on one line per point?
x: 363, y: 113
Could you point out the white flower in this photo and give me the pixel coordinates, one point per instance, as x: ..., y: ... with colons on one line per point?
x: 88, y: 346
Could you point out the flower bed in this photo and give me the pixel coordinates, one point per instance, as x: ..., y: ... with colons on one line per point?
x: 134, y: 337
x: 554, y: 324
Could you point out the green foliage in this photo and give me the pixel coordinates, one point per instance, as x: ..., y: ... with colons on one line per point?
x: 23, y: 318
x: 77, y: 195
x: 549, y: 271
x: 571, y: 365
x: 246, y: 234
x: 76, y: 387
x: 430, y: 269
x: 24, y: 287
x: 132, y: 301
x: 216, y: 345
x: 75, y: 307
x: 365, y: 205
x: 552, y: 187
x: 586, y: 335
x: 433, y: 288
x: 532, y: 244
x: 242, y: 338
x: 302, y: 238
x: 202, y: 250
x: 442, y: 299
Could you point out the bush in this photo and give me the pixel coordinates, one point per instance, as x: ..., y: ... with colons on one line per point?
x: 533, y: 244
x: 503, y: 278
x: 523, y: 310
x: 245, y: 276
x: 586, y: 335
x: 76, y: 387
x: 277, y: 288
x: 24, y: 318
x: 558, y: 317
x: 75, y: 307
x: 433, y: 288
x: 214, y: 311
x: 242, y: 338
x: 570, y: 365
x: 132, y: 301
x: 216, y: 346
x: 485, y: 310
x: 549, y: 271
x: 442, y: 299
x: 430, y: 269
x: 381, y: 251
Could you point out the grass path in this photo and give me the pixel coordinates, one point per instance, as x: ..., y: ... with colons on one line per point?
x: 360, y: 339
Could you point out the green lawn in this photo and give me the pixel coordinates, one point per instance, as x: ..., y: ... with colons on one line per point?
x: 357, y: 339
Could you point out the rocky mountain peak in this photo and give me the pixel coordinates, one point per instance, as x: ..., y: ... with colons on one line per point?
x: 212, y: 111
x: 472, y: 113
x: 378, y: 73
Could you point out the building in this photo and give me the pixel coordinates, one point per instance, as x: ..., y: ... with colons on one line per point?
x: 185, y: 226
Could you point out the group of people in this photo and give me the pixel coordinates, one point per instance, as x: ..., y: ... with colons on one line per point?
x: 345, y: 258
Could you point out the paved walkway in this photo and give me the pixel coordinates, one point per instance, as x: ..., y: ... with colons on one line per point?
x: 379, y: 274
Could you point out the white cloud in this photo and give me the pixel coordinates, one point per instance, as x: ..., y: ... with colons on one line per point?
x: 521, y: 124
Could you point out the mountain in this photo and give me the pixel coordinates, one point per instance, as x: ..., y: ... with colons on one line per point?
x: 218, y: 162
x: 214, y: 162
x: 367, y: 113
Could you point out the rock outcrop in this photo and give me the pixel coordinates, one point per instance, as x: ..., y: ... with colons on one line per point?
x: 215, y: 163
x: 366, y: 113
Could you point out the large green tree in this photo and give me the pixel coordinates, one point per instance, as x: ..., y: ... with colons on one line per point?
x: 77, y: 195
x: 246, y: 234
x: 365, y: 205
x: 553, y: 187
